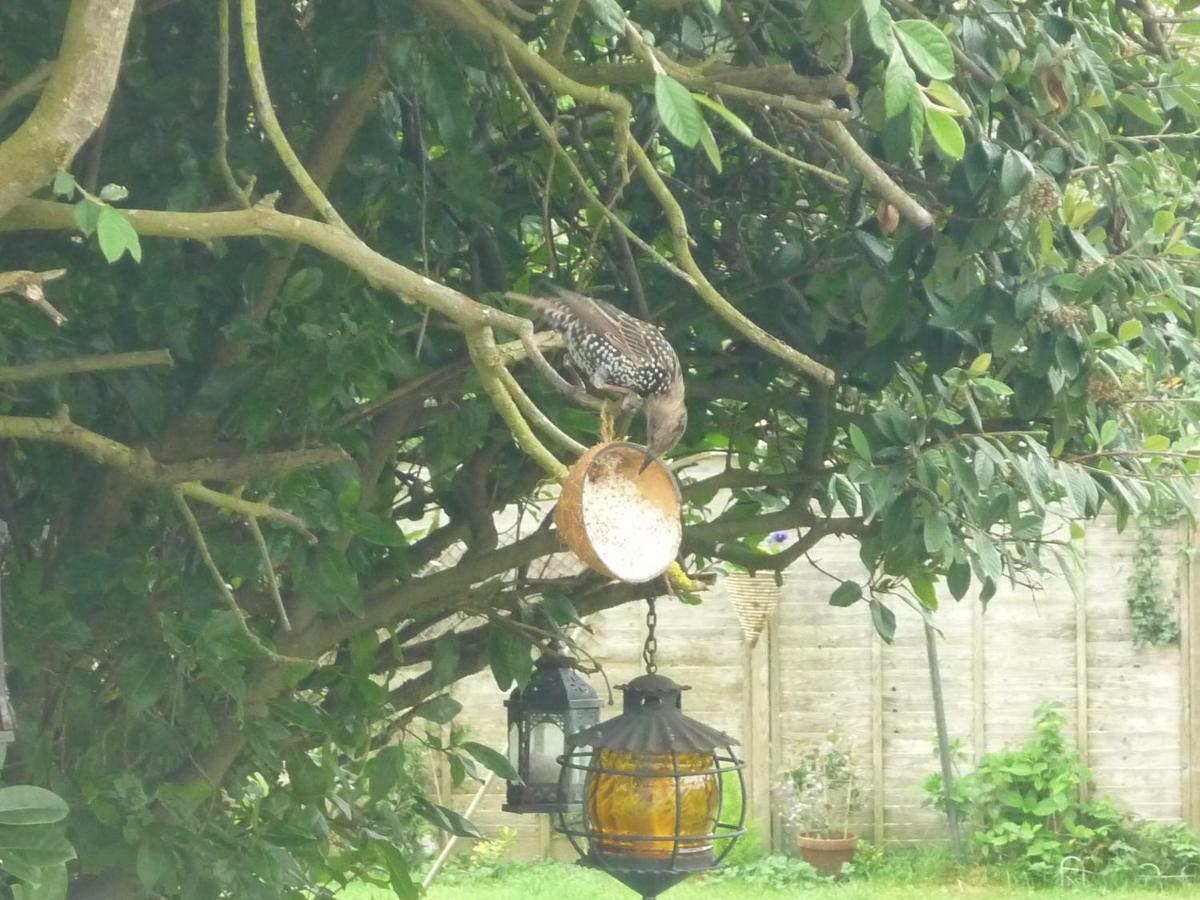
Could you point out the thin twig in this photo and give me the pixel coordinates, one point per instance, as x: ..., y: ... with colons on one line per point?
x: 593, y: 199
x: 206, y: 557
x: 221, y: 155
x: 272, y: 581
x: 536, y: 416
x: 270, y: 124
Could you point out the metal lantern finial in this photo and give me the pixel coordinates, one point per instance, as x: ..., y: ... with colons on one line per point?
x: 653, y: 787
x: 555, y: 702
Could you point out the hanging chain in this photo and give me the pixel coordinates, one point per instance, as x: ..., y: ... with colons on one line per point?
x: 651, y: 645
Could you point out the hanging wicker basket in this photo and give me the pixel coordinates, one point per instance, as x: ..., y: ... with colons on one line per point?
x: 754, y: 599
x: 634, y: 544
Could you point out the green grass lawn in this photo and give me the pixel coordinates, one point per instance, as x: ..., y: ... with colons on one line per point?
x: 565, y: 882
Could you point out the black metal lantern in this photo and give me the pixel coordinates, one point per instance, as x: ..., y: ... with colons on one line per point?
x: 555, y: 702
x: 654, y: 789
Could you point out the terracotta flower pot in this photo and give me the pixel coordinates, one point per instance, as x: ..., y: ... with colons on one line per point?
x: 826, y: 855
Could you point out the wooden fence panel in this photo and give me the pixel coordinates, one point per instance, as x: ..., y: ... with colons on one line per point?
x: 817, y: 666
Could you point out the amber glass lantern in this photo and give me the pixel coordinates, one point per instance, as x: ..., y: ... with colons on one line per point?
x: 555, y: 702
x: 654, y: 785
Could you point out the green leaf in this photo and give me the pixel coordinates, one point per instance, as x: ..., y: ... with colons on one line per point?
x: 145, y: 677
x: 678, y: 110
x: 1164, y: 221
x: 1130, y: 330
x: 491, y: 759
x: 446, y: 652
x: 713, y: 6
x: 445, y: 819
x: 735, y: 121
x: 38, y: 845
x: 1015, y: 172
x: 927, y: 47
x: 937, y: 532
x: 1142, y: 109
x: 945, y: 94
x: 899, y: 85
x: 86, y: 213
x: 923, y: 586
x: 508, y: 655
x: 1157, y: 443
x: 979, y: 365
x: 117, y: 236
x: 709, y: 143
x: 376, y: 529
x: 884, y: 620
x: 610, y: 16
x: 958, y: 579
x: 846, y: 594
x: 64, y: 185
x: 879, y: 28
x: 1108, y: 433
x: 154, y: 864
x: 946, y: 132
x: 440, y: 709
x: 51, y: 884
x: 859, y: 440
x: 30, y: 805
x: 1077, y: 531
x: 111, y: 193
x: 399, y: 876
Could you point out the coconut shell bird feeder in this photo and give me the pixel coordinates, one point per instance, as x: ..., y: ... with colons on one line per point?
x: 620, y: 515
x: 656, y: 787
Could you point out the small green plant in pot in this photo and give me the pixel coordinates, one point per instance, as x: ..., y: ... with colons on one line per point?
x: 815, y: 798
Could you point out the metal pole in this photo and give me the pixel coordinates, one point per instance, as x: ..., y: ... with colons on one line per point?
x: 939, y: 714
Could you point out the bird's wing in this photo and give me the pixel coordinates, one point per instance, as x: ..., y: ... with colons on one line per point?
x: 627, y: 333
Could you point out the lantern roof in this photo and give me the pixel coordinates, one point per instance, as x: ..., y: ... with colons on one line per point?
x: 555, y: 686
x: 652, y: 722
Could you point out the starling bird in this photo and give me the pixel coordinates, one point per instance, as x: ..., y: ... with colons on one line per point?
x: 618, y: 353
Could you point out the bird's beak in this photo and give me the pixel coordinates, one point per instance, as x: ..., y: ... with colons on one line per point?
x: 646, y: 462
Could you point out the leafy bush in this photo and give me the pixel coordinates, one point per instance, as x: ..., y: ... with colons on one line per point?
x: 775, y: 871
x: 1027, y: 813
x: 33, y: 846
x: 485, y: 859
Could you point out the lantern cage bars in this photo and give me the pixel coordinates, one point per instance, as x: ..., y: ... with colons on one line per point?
x: 646, y: 866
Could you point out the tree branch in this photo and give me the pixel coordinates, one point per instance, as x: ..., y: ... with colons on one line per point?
x: 726, y: 310
x: 74, y: 101
x: 106, y: 362
x: 270, y: 123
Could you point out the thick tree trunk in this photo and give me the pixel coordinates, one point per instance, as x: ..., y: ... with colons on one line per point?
x: 74, y: 101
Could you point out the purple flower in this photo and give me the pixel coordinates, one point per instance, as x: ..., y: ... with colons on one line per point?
x: 778, y: 537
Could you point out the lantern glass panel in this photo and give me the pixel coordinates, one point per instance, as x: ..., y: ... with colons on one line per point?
x: 545, y: 746
x: 641, y: 804
x: 514, y: 745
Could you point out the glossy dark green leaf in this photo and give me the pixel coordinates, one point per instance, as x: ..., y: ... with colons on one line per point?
x: 846, y: 594
x: 492, y: 760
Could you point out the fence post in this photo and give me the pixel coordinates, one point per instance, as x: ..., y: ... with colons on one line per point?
x: 1189, y: 669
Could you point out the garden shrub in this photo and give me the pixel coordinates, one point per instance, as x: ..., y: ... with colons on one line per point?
x: 776, y: 871
x: 1027, y: 813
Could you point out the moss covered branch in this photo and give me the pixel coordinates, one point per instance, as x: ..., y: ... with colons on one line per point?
x: 73, y: 102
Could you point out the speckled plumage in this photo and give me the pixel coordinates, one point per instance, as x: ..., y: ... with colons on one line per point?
x: 610, y: 347
x: 616, y: 352
x: 648, y: 370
